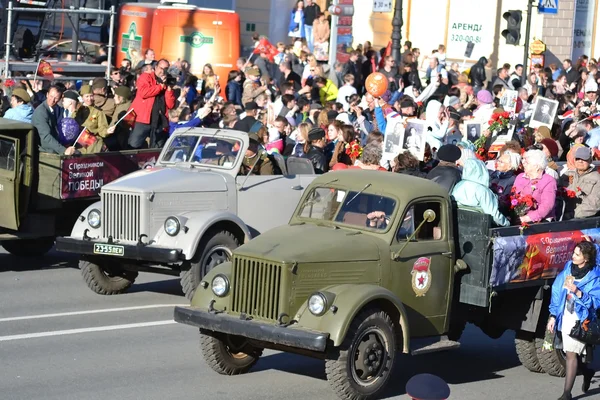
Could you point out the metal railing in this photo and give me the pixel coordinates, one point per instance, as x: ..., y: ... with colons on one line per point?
x: 10, y: 9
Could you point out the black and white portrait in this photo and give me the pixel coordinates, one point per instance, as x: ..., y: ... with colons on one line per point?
x: 473, y: 131
x: 509, y: 100
x: 454, y: 139
x: 394, y: 133
x: 544, y: 113
x: 414, y: 138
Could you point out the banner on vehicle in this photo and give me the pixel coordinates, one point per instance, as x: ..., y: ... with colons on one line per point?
x: 541, y: 256
x: 84, y: 176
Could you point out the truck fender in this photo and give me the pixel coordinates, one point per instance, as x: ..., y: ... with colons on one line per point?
x: 349, y: 300
x: 81, y: 224
x: 195, y: 224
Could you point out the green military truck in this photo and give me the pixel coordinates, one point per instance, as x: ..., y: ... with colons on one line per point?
x: 43, y: 194
x: 372, y: 263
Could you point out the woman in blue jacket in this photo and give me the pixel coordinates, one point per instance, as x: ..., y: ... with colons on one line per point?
x: 296, y: 28
x: 575, y: 296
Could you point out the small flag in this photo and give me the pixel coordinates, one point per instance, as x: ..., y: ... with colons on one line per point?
x: 568, y: 114
x: 388, y: 52
x: 86, y: 139
x: 595, y: 116
x: 45, y: 70
x: 264, y: 46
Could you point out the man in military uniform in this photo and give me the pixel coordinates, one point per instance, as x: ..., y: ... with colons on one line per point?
x: 101, y: 98
x: 121, y: 132
x: 93, y: 119
x: 256, y: 159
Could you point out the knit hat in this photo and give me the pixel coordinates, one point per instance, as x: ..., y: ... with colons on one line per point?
x: 545, y: 132
x: 551, y: 146
x: 387, y: 96
x: 124, y: 92
x: 449, y: 153
x: 22, y: 94
x: 485, y: 97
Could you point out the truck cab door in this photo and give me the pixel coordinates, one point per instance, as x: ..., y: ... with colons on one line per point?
x: 9, y: 181
x: 423, y: 272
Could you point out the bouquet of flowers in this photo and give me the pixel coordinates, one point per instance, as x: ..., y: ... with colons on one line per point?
x: 353, y: 150
x: 499, y: 121
x: 521, y: 205
x: 567, y: 193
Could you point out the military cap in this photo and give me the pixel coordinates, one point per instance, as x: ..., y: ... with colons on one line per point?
x: 253, y: 71
x: 253, y: 137
x: 71, y: 94
x: 85, y: 89
x: 427, y: 387
x: 124, y: 92
x: 99, y: 83
x: 22, y: 94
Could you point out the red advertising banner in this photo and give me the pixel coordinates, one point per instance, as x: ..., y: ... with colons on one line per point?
x: 84, y: 176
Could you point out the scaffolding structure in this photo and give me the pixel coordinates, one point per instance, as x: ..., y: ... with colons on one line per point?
x: 73, y: 67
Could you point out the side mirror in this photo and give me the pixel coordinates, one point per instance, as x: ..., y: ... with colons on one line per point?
x: 428, y: 216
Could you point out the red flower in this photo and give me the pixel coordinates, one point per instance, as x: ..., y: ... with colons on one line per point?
x: 9, y: 83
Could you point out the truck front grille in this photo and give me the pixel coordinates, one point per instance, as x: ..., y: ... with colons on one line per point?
x: 121, y: 216
x: 256, y: 287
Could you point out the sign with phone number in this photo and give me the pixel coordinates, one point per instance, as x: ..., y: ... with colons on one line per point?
x: 468, y: 22
x: 465, y: 38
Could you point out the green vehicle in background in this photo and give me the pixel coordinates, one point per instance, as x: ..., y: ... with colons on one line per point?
x: 43, y: 194
x: 372, y: 264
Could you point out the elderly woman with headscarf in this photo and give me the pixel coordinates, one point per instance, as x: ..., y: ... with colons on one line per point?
x: 485, y: 109
x: 473, y: 191
x: 537, y: 183
x: 437, y: 124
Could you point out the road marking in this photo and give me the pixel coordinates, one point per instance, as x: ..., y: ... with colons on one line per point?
x: 85, y: 330
x: 105, y: 310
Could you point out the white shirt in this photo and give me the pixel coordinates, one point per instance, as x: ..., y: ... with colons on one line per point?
x: 344, y: 92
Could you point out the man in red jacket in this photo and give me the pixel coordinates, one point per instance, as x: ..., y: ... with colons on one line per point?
x: 152, y: 102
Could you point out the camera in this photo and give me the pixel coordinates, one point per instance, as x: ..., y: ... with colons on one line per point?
x: 587, y: 103
x: 170, y: 80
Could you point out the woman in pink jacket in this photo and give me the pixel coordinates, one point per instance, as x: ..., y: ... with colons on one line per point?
x: 535, y: 182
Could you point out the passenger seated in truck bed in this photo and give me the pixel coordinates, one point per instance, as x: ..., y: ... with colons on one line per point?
x: 473, y: 191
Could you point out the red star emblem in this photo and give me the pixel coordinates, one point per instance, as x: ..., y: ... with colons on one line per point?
x: 421, y: 280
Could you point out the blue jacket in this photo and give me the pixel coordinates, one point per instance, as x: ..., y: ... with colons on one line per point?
x: 473, y: 191
x: 293, y: 25
x: 192, y: 123
x: 590, y: 299
x: 233, y: 91
x: 22, y: 113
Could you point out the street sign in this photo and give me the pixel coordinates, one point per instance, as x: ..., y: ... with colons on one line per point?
x: 548, y: 6
x: 537, y: 47
x: 342, y: 10
x: 382, y: 6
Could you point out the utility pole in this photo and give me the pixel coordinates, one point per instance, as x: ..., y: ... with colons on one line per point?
x: 527, y: 34
x: 397, y: 23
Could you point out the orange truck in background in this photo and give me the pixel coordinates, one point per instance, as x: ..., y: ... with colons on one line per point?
x: 198, y: 35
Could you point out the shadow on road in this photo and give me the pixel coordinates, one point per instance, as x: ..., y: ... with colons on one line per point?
x: 473, y: 362
x: 590, y: 394
x: 169, y: 286
x: 52, y: 260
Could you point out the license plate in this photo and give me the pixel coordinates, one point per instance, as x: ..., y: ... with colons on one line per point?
x: 109, y: 249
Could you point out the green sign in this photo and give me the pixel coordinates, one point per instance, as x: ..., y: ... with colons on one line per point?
x: 131, y: 41
x: 196, y: 40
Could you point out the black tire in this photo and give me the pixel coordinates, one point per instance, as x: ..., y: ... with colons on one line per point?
x: 214, y: 249
x: 228, y: 354
x: 552, y: 362
x: 343, y: 366
x: 29, y: 247
x: 456, y: 329
x: 526, y: 351
x: 107, y: 277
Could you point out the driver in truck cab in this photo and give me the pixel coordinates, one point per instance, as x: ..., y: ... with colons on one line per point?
x: 256, y: 161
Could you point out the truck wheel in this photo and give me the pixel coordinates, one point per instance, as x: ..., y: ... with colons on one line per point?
x: 28, y: 247
x: 213, y: 250
x: 228, y: 354
x: 361, y: 367
x: 107, y: 278
x: 526, y: 351
x: 553, y: 362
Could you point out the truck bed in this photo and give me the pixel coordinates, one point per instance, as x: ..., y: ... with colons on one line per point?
x: 508, y: 258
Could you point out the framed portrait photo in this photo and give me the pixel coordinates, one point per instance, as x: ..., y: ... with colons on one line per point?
x: 509, y: 100
x: 394, y: 135
x: 415, y: 137
x: 472, y: 130
x: 544, y: 113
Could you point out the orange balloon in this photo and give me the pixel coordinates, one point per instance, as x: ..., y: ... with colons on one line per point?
x: 376, y: 84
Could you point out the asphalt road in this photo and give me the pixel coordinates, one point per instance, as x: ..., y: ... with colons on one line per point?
x: 60, y: 341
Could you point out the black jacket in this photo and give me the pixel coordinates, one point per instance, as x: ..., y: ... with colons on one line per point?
x: 445, y: 175
x: 319, y: 161
x: 311, y: 13
x: 477, y: 74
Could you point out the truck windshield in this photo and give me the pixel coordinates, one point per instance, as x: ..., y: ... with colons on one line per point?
x: 210, y: 151
x: 363, y: 210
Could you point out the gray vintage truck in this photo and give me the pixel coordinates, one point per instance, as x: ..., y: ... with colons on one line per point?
x: 184, y: 216
x: 42, y: 194
x: 372, y: 264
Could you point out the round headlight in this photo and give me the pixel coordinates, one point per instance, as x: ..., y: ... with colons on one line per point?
x: 220, y: 285
x: 172, y: 226
x: 94, y: 218
x: 317, y: 304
